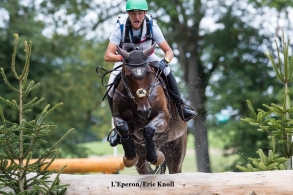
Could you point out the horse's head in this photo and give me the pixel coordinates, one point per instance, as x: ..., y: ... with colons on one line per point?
x: 138, y: 77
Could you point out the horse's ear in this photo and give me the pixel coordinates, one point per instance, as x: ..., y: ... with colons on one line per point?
x: 123, y: 53
x: 150, y: 50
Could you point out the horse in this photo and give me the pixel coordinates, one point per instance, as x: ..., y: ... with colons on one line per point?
x: 146, y: 118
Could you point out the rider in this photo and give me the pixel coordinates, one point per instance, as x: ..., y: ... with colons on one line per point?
x: 138, y: 35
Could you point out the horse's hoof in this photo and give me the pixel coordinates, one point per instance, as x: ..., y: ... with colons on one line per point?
x: 160, y: 158
x: 129, y: 163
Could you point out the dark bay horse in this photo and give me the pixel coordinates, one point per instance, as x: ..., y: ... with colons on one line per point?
x: 146, y: 118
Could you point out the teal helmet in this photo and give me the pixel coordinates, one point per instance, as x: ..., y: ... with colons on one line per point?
x: 135, y: 5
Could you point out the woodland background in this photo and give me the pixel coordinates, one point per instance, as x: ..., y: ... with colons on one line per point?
x: 220, y: 63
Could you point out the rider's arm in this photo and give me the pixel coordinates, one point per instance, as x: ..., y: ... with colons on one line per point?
x: 111, y: 55
x: 167, y: 50
x: 114, y: 39
x: 160, y: 40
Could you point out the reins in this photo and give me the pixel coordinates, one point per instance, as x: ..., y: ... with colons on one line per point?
x: 140, y: 92
x: 103, y: 76
x: 127, y: 89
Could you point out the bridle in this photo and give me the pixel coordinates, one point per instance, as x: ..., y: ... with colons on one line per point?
x: 141, y: 92
x: 138, y: 70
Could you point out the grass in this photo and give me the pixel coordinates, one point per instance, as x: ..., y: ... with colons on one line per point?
x: 219, y: 163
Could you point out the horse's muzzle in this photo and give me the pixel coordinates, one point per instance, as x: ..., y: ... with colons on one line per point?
x: 144, y: 111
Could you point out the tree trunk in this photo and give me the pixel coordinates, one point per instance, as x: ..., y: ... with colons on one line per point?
x: 197, y: 98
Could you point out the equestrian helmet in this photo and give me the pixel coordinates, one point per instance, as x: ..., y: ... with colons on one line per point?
x: 136, y: 5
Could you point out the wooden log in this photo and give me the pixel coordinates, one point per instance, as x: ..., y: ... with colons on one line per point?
x: 86, y: 165
x: 252, y: 183
x: 228, y: 183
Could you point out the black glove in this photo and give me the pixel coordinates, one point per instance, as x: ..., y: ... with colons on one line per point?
x: 161, y: 65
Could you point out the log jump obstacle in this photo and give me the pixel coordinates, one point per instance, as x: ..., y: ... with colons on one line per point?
x: 88, y: 165
x: 226, y: 183
x: 229, y: 183
x: 106, y: 165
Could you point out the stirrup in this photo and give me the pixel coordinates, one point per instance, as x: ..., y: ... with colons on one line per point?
x: 114, y: 139
x: 187, y: 112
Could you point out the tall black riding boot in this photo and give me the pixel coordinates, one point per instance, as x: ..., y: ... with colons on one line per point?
x: 186, y: 112
x: 113, y: 139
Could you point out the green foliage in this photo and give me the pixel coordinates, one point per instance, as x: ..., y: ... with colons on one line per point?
x: 223, y: 66
x: 276, y: 123
x: 280, y: 5
x: 65, y: 54
x: 269, y: 162
x: 20, y: 140
x: 81, y: 87
x: 241, y: 66
x: 275, y: 120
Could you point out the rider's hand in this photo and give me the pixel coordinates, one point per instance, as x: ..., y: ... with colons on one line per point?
x: 161, y: 65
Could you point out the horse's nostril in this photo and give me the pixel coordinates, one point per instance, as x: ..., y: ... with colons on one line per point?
x: 144, y: 112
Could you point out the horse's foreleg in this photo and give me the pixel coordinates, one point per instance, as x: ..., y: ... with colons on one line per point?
x: 130, y: 158
x: 142, y: 165
x: 153, y: 156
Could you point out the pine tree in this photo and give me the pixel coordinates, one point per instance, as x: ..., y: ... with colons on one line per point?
x: 18, y: 141
x: 275, y: 120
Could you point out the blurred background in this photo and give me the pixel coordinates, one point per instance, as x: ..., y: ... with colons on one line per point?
x: 219, y: 63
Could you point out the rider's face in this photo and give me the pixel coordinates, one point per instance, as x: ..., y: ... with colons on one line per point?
x: 136, y: 18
